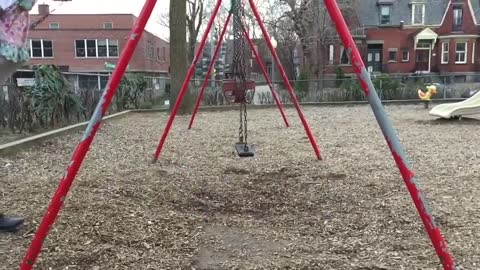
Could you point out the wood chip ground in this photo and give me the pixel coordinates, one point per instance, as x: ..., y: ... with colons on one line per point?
x: 201, y: 207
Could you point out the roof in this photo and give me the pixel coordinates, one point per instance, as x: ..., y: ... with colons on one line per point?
x: 476, y: 9
x: 368, y: 11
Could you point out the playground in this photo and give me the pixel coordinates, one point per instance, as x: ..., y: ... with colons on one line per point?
x: 202, y: 207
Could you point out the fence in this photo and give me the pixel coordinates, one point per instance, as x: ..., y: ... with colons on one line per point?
x: 17, y: 112
x: 348, y: 89
x: 16, y: 115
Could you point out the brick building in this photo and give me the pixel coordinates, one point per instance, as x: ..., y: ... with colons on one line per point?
x: 414, y: 36
x: 84, y: 43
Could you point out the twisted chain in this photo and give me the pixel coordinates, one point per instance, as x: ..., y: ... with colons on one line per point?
x: 239, y: 67
x: 240, y: 129
x: 245, y: 122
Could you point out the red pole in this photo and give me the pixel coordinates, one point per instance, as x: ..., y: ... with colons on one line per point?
x: 418, y: 197
x: 183, y: 90
x: 210, y: 68
x: 84, y: 145
x: 267, y: 78
x: 285, y: 80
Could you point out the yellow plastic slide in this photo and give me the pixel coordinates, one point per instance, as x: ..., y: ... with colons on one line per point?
x: 466, y: 107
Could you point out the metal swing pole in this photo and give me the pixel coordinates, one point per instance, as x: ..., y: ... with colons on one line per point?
x: 210, y: 68
x: 267, y: 78
x: 87, y: 139
x: 391, y: 137
x: 294, y: 99
x: 184, y: 88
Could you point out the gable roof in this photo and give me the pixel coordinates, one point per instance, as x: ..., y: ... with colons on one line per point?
x: 368, y: 11
x: 476, y: 9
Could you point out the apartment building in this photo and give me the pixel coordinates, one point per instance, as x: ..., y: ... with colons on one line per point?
x: 90, y: 43
x: 414, y: 37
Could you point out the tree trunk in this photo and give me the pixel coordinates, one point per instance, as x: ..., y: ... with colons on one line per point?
x: 178, y: 55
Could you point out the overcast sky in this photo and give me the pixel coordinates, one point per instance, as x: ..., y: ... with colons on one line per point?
x: 110, y: 6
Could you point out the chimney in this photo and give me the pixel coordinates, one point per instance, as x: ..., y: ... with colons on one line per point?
x: 43, y: 9
x: 402, y: 24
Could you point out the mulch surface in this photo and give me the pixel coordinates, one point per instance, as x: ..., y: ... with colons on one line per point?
x: 201, y: 207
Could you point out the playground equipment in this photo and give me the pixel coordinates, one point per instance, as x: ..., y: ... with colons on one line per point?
x: 470, y: 106
x: 384, y: 122
x: 426, y: 97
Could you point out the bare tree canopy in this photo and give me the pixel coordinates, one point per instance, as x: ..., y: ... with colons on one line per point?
x: 194, y: 18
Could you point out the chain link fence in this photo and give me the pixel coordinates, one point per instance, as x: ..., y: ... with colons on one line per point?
x: 14, y: 104
x: 387, y: 87
x: 348, y: 89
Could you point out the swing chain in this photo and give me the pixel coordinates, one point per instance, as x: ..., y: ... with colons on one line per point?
x: 240, y: 129
x: 245, y: 121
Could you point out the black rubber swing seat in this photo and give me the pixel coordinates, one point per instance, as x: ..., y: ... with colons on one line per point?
x: 245, y: 150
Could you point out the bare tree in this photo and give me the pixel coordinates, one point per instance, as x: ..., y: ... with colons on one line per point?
x: 178, y: 57
x: 311, y: 23
x: 195, y: 16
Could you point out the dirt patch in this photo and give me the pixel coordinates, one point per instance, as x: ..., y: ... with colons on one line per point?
x: 227, y: 247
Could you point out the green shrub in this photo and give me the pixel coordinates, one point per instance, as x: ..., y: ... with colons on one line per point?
x: 302, y: 85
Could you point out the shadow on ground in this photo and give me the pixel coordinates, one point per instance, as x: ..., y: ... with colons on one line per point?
x: 451, y: 121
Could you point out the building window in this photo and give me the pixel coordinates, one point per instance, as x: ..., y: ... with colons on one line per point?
x: 331, y: 51
x: 102, y: 48
x: 457, y: 18
x: 108, y: 25
x: 461, y: 53
x: 385, y: 14
x: 93, y: 48
x: 41, y: 48
x: 405, y: 55
x: 445, y: 52
x: 54, y: 25
x: 112, y: 48
x: 344, y: 59
x: 392, y: 55
x: 150, y: 52
x: 161, y: 54
x: 80, y: 48
x: 418, y: 14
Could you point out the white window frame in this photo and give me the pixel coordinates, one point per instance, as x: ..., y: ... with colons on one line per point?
x: 413, y: 13
x: 96, y: 48
x: 393, y: 50
x: 466, y: 52
x: 342, y: 50
x: 105, y: 23
x: 462, y: 17
x: 331, y: 53
x: 408, y: 56
x: 43, y: 49
x: 445, y: 52
x: 54, y: 23
x: 473, y: 52
x: 389, y: 8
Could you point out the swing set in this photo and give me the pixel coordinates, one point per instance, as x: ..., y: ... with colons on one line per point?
x: 237, y: 88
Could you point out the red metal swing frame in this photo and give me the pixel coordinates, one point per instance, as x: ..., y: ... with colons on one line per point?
x: 82, y: 148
